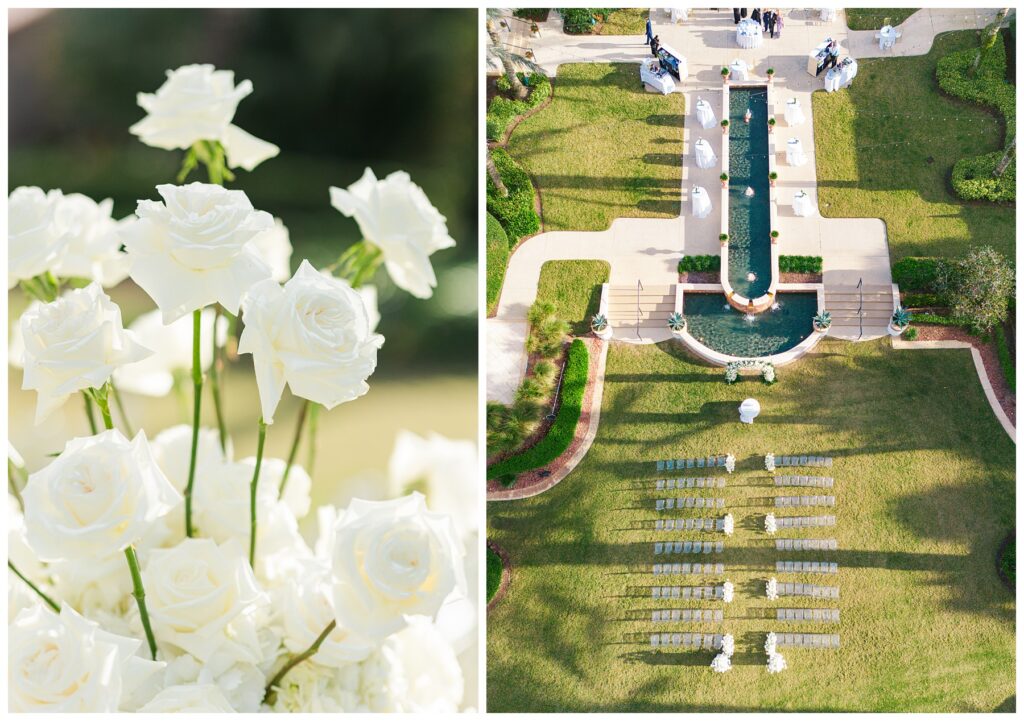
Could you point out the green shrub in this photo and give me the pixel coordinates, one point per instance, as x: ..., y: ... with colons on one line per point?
x: 978, y: 288
x: 544, y: 371
x: 515, y: 211
x: 536, y: 14
x: 563, y: 429
x: 910, y: 334
x: 700, y: 263
x: 917, y: 274
x: 530, y: 390
x: 918, y: 300
x: 503, y: 111
x: 503, y: 84
x: 497, y: 260
x: 547, y: 332
x: 1005, y: 359
x: 508, y: 426
x: 987, y: 86
x: 799, y: 264
x: 494, y: 570
x: 577, y: 21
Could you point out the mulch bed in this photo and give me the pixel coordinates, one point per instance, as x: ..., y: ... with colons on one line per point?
x: 799, y: 277
x: 989, y: 356
x: 533, y: 478
x: 692, y: 276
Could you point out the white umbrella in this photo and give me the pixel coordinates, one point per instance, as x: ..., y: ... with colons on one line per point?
x: 701, y: 202
x: 704, y: 155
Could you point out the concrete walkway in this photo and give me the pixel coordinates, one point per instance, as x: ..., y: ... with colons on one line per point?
x: 648, y: 249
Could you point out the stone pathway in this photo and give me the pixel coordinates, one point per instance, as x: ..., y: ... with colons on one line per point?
x: 649, y: 249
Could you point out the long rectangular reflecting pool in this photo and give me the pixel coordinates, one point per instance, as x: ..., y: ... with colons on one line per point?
x: 749, y: 215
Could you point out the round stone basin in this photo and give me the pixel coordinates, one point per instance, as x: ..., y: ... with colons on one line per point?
x: 720, y: 327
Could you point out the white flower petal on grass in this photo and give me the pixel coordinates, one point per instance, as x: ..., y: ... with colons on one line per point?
x: 93, y: 244
x: 66, y: 663
x: 195, y: 248
x: 34, y: 243
x: 189, y: 698
x: 75, y: 342
x: 312, y: 334
x: 96, y: 498
x: 395, y: 216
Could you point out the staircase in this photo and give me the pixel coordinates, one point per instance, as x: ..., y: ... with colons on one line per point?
x: 655, y: 306
x: 843, y: 302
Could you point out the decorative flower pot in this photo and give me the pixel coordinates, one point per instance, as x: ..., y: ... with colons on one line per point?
x: 895, y: 330
x: 820, y: 329
x: 605, y: 333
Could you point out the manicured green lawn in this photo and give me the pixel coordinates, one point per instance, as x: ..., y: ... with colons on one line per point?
x: 494, y: 568
x: 497, y: 260
x: 574, y: 287
x: 862, y: 172
x: 874, y: 18
x: 603, y: 149
x: 625, y: 21
x: 925, y: 494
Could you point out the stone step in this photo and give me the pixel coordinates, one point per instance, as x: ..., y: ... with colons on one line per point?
x: 618, y: 306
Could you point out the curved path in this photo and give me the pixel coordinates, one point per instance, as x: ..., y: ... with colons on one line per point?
x: 648, y: 249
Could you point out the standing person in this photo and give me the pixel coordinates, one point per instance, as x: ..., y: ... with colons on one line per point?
x: 735, y: 16
x: 743, y: 12
x: 650, y: 31
x: 755, y: 15
x: 655, y: 44
x: 833, y: 54
x: 765, y: 17
x: 770, y: 21
x: 778, y: 24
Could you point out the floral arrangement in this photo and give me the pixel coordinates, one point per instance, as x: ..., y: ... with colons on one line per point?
x: 728, y: 524
x: 769, y: 524
x: 771, y: 589
x: 723, y: 661
x: 158, y: 573
x: 766, y: 368
x: 769, y: 462
x: 776, y: 663
x: 730, y: 463
x: 727, y: 591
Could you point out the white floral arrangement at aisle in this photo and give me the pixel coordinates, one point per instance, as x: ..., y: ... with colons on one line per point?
x: 727, y: 592
x: 155, y: 572
x: 730, y: 463
x: 770, y: 527
x: 764, y: 367
x: 776, y: 663
x: 770, y: 642
x: 728, y: 644
x: 728, y: 524
x: 771, y: 589
x: 721, y: 663
x: 769, y: 462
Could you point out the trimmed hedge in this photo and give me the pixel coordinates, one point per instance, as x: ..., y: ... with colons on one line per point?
x: 972, y: 177
x: 497, y: 260
x: 563, y: 429
x: 921, y: 300
x: 799, y: 263
x: 515, y: 212
x: 1005, y: 359
x: 503, y: 111
x: 700, y: 263
x: 536, y: 14
x: 919, y: 275
x: 494, y: 570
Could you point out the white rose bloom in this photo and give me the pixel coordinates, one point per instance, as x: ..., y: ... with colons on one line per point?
x: 312, y: 334
x: 369, y: 295
x: 296, y: 493
x: 102, y: 584
x: 444, y: 470
x: 66, y: 663
x: 202, y: 599
x: 18, y: 551
x: 75, y: 342
x: 275, y: 247
x: 34, y: 243
x: 240, y: 683
x: 172, y: 449
x: 195, y: 103
x: 19, y: 598
x: 356, y: 687
x: 390, y: 560
x: 395, y: 216
x: 308, y: 609
x: 96, y: 498
x: 193, y: 698
x: 172, y: 351
x: 431, y: 678
x: 195, y: 248
x: 93, y: 245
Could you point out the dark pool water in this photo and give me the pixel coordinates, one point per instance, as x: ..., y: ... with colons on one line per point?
x: 749, y: 217
x: 716, y: 324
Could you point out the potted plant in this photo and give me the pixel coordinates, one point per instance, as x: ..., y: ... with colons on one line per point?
x: 771, y: 123
x: 899, y: 321
x: 677, y: 323
x: 821, y: 321
x: 772, y: 177
x: 723, y: 238
x: 771, y: 74
x: 725, y: 75
x: 775, y: 237
x: 725, y: 126
x: 599, y: 324
x: 535, y: 30
x: 724, y: 177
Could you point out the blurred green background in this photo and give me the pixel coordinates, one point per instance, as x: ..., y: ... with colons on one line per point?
x: 337, y: 90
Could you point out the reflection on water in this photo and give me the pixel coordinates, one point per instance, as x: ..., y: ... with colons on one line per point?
x: 722, y: 328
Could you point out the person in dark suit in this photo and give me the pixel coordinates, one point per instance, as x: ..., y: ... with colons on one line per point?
x: 655, y: 44
x: 735, y: 16
x: 755, y: 15
x: 743, y: 12
x: 766, y: 18
x: 770, y: 20
x: 650, y: 31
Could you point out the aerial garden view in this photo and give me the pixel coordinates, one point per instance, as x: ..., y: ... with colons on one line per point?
x: 717, y: 478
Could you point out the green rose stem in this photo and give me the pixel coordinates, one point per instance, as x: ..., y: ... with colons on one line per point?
x: 120, y: 409
x: 197, y: 397
x: 252, y: 492
x: 89, y: 415
x: 215, y: 370
x: 314, y: 421
x: 101, y: 396
x: 299, y: 423
x: 16, y: 481
x: 269, y: 693
x: 49, y: 601
x: 139, y: 593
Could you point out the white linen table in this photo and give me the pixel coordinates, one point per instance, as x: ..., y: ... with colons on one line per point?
x: 701, y: 203
x: 802, y: 205
x: 795, y: 152
x: 749, y: 34
x: 832, y: 80
x: 652, y: 74
x: 739, y: 70
x: 703, y: 154
x: 794, y: 113
x: 705, y: 115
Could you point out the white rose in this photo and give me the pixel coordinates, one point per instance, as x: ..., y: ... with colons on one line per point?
x: 72, y: 344
x: 392, y: 559
x: 194, y: 698
x: 33, y: 241
x: 66, y: 663
x: 275, y: 247
x: 431, y: 678
x: 93, y: 247
x: 296, y: 493
x: 102, y: 584
x: 307, y: 609
x: 202, y: 598
x: 172, y: 352
x: 197, y: 103
x: 240, y: 683
x: 18, y: 551
x: 195, y: 248
x: 395, y: 216
x: 313, y: 334
x: 369, y: 295
x: 442, y: 469
x: 95, y: 498
x: 356, y: 687
x: 172, y: 449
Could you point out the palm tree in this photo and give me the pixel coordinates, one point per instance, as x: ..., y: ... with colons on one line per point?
x: 1004, y: 162
x: 492, y: 171
x: 988, y: 39
x: 498, y: 54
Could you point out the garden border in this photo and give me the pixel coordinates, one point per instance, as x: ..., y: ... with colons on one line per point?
x: 506, y: 574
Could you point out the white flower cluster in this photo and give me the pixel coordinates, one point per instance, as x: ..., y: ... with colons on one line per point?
x: 728, y: 524
x: 776, y: 663
x: 727, y: 592
x: 771, y: 589
x: 730, y: 463
x: 157, y: 573
x: 723, y: 661
x: 766, y: 369
x: 770, y: 527
x: 769, y: 462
